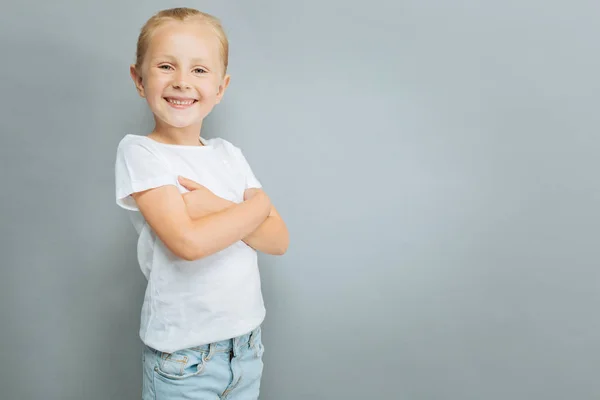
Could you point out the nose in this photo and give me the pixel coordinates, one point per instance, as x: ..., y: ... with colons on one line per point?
x: 179, y: 82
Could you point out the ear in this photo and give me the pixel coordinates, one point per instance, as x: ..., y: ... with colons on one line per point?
x: 137, y: 80
x: 223, y: 87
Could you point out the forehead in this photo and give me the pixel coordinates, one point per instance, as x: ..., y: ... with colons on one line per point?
x: 185, y: 39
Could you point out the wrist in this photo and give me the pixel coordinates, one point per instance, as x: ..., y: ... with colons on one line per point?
x: 224, y: 204
x: 266, y: 202
x: 261, y: 198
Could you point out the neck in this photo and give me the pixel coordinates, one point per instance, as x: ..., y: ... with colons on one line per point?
x: 187, y: 136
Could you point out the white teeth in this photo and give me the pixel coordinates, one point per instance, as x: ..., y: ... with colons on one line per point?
x: 181, y: 103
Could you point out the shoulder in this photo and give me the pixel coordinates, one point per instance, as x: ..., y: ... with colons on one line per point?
x: 225, y: 144
x: 137, y: 149
x: 133, y: 140
x: 135, y: 145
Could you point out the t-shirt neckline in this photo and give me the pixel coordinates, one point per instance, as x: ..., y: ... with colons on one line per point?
x: 178, y: 146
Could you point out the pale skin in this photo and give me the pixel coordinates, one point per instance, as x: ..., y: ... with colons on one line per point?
x: 182, y: 78
x: 270, y: 237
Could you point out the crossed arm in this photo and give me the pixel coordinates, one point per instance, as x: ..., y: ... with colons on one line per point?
x: 271, y: 237
x: 199, y: 223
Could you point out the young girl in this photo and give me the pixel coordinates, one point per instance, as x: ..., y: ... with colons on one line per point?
x: 201, y: 217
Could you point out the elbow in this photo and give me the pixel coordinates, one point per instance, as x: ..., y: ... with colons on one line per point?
x: 188, y: 255
x: 282, y: 249
x: 280, y: 252
x: 186, y: 249
x: 190, y: 252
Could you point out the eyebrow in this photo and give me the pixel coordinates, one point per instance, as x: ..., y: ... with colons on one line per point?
x: 197, y: 60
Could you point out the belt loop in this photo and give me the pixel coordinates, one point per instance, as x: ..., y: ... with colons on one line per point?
x: 235, y: 342
x: 211, y: 351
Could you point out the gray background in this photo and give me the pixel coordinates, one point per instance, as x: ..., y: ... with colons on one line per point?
x: 436, y: 163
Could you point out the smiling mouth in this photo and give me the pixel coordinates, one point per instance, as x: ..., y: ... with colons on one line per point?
x: 180, y: 103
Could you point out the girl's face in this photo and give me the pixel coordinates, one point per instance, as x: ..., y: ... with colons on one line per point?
x: 182, y: 74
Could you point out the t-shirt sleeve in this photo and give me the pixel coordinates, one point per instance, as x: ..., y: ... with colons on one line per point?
x: 138, y: 168
x: 251, y: 180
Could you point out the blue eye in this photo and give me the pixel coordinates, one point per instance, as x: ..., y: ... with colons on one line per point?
x: 164, y: 66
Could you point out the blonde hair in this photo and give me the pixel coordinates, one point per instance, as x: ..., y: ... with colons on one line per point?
x: 180, y: 14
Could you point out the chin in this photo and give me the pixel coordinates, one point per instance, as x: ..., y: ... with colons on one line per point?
x: 181, y: 122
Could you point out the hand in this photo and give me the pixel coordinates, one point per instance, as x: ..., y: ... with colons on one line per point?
x: 200, y: 201
x: 251, y: 192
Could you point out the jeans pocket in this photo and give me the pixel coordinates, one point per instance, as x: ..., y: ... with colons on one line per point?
x: 180, y: 365
x: 257, y: 343
x: 260, y: 350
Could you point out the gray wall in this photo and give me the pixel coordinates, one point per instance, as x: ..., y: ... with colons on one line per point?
x: 436, y: 163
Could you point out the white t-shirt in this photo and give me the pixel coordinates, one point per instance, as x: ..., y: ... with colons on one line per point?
x: 190, y: 303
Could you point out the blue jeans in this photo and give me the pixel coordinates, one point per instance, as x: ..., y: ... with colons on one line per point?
x: 230, y: 369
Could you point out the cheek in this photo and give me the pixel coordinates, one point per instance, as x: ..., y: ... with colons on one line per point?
x: 154, y: 86
x: 208, y: 89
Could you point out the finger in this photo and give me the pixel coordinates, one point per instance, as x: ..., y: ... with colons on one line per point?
x: 188, y: 183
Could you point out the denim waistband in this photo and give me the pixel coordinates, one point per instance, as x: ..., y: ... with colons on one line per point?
x: 227, y: 345
x: 230, y: 344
